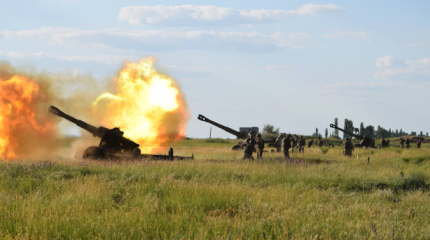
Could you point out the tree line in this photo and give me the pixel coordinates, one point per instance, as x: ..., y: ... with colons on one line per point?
x: 369, y: 130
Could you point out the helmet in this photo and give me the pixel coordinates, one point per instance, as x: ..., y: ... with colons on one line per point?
x: 258, y: 134
x: 346, y: 138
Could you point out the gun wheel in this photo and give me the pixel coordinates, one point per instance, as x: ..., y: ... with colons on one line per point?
x: 94, y: 153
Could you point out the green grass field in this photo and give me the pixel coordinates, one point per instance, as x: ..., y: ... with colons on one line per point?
x: 317, y: 195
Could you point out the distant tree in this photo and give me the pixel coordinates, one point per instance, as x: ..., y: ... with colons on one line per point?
x: 348, y: 126
x: 421, y: 134
x: 269, y: 128
x: 427, y: 134
x: 413, y: 133
x: 326, y: 133
x: 336, y: 132
x: 361, y: 128
x: 389, y: 133
x: 316, y: 132
x: 397, y: 133
x: 356, y: 130
x: 369, y: 131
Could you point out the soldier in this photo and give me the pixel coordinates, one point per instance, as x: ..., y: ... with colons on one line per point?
x: 295, y: 140
x: 278, y: 142
x: 301, y: 145
x: 348, y: 147
x: 419, y: 143
x: 402, y: 141
x: 249, y: 144
x: 407, y: 142
x: 311, y: 143
x: 320, y: 142
x: 383, y: 142
x: 260, y: 146
x: 286, y: 145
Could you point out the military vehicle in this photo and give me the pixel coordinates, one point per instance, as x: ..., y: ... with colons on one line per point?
x: 113, y: 144
x: 239, y: 135
x: 366, y: 141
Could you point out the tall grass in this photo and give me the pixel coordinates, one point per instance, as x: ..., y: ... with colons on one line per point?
x: 318, y: 195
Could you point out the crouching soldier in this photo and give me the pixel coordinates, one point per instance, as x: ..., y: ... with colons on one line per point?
x: 348, y: 148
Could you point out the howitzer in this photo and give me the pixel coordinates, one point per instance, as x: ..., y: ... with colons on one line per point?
x: 113, y: 144
x: 365, y: 142
x: 239, y: 135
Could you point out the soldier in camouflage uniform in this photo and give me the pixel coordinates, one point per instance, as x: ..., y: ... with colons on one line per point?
x: 286, y: 145
x: 311, y: 143
x: 260, y: 146
x: 295, y: 140
x: 407, y: 142
x: 249, y: 145
x: 383, y: 142
x: 278, y: 142
x: 301, y: 144
x: 320, y: 142
x: 402, y: 141
x: 348, y: 147
x: 419, y: 143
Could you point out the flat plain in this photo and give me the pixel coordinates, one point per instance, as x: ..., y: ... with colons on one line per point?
x: 316, y: 195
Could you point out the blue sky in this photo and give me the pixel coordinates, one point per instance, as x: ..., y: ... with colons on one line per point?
x: 294, y: 64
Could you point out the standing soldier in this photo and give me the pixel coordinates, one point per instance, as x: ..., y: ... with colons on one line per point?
x: 260, y: 146
x: 407, y: 142
x: 402, y: 141
x: 320, y: 142
x: 249, y: 144
x: 301, y: 145
x: 295, y: 140
x: 419, y: 143
x: 348, y: 147
x: 286, y: 145
x: 278, y: 142
x: 383, y: 142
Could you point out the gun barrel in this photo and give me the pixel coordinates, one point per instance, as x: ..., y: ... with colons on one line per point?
x: 99, y: 132
x: 347, y: 132
x: 227, y: 129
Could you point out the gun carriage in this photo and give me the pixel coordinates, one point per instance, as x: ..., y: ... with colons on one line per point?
x: 239, y: 135
x: 365, y: 141
x: 113, y: 145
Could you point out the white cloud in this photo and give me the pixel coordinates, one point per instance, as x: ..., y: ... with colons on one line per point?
x: 391, y: 66
x: 359, y: 88
x: 193, y: 69
x: 192, y: 14
x: 386, y: 61
x: 349, y: 35
x: 279, y: 68
x: 152, y: 41
x: 416, y: 44
x: 102, y: 59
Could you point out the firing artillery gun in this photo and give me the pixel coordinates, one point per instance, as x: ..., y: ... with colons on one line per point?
x: 113, y: 144
x: 239, y: 135
x: 365, y: 141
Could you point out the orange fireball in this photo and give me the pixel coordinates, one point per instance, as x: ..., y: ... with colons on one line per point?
x: 18, y: 103
x: 148, y: 106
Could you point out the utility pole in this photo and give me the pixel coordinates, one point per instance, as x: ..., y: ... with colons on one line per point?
x: 210, y: 133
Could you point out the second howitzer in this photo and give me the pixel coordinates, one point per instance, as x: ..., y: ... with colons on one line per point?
x: 113, y: 144
x: 239, y: 135
x: 365, y: 141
